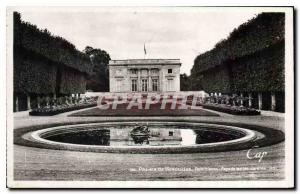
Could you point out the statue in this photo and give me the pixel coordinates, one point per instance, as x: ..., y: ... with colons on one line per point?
x: 140, y: 134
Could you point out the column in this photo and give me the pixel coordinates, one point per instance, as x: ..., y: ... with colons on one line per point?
x: 159, y: 85
x: 17, y: 103
x: 161, y: 80
x: 259, y: 101
x: 54, y: 100
x: 273, y: 101
x: 233, y: 100
x: 38, y: 102
x: 221, y: 101
x: 250, y: 100
x: 138, y: 80
x: 28, y: 102
x: 47, y: 100
x: 149, y: 89
x: 242, y: 99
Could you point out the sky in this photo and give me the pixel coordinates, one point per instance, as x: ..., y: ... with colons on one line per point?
x: 179, y: 33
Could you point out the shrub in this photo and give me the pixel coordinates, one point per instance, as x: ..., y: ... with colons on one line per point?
x: 235, y: 110
x: 53, y: 110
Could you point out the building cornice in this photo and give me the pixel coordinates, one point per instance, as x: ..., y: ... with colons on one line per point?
x: 145, y: 62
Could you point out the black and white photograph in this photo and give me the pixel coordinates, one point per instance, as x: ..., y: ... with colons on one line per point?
x: 150, y: 97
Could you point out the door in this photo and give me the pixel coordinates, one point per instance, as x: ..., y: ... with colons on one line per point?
x: 170, y: 85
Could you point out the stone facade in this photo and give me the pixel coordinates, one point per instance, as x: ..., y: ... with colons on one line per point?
x: 144, y: 75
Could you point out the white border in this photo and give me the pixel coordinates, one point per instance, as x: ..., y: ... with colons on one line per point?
x: 289, y: 122
x: 249, y: 135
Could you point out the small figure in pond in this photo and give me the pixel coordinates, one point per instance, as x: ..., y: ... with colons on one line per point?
x: 140, y: 134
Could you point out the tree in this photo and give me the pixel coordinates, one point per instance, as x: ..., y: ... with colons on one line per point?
x: 185, y: 83
x: 98, y: 81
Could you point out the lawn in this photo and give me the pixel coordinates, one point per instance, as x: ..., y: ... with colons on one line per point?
x: 154, y: 110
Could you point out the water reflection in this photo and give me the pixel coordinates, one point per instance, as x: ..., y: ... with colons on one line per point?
x: 207, y: 136
x: 89, y: 137
x: 142, y: 136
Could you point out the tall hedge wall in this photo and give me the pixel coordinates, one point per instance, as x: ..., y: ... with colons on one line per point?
x: 33, y: 74
x: 46, y: 64
x: 56, y: 48
x: 250, y: 59
x: 256, y: 34
x: 263, y: 71
x: 71, y: 82
x: 212, y: 83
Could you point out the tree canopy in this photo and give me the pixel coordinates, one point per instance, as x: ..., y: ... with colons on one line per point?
x: 98, y: 81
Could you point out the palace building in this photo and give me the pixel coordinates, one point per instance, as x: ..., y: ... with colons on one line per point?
x: 144, y: 75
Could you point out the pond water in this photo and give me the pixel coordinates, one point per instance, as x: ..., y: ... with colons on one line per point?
x: 153, y: 135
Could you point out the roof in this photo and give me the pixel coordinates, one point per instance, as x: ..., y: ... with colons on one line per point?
x: 145, y: 62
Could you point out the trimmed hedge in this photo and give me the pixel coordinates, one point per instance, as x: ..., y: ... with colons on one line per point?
x: 56, y: 48
x: 71, y: 82
x: 33, y: 74
x: 256, y: 34
x: 45, y: 64
x: 235, y: 110
x: 263, y: 71
x: 220, y: 83
x: 62, y: 109
x: 251, y: 59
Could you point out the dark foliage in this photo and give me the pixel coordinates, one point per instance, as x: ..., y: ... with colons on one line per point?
x: 55, y: 111
x: 56, y: 48
x: 262, y: 71
x: 259, y: 33
x: 72, y: 82
x: 184, y: 82
x: 235, y: 110
x: 98, y: 81
x: 45, y: 64
x: 33, y: 73
x: 250, y: 59
x: 61, y: 105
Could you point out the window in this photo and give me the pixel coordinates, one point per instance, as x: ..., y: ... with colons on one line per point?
x: 155, y: 85
x: 144, y: 72
x: 170, y: 70
x: 118, y: 72
x: 171, y: 133
x: 170, y: 85
x: 134, y: 85
x: 154, y: 71
x: 118, y: 85
x: 133, y: 71
x: 144, y: 85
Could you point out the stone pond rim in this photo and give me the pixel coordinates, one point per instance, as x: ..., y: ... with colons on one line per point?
x: 271, y: 136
